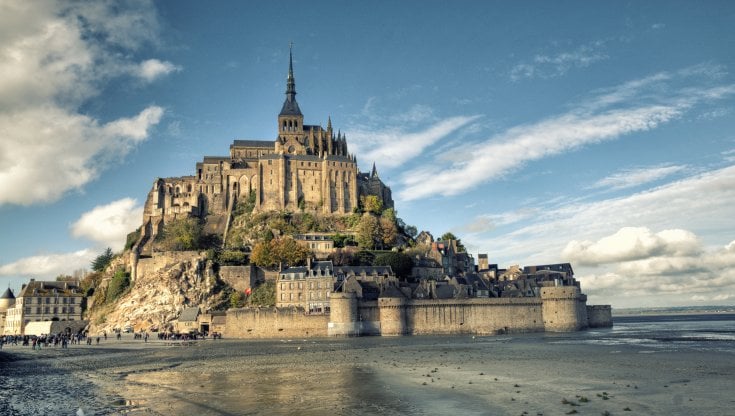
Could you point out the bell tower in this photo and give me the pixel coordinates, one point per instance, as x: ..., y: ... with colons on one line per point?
x: 291, y: 136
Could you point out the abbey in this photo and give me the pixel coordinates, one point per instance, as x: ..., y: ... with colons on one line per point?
x: 306, y: 167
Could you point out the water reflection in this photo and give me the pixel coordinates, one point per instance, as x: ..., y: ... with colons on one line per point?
x: 307, y: 390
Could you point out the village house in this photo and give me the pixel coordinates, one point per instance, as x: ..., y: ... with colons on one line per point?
x: 44, y: 301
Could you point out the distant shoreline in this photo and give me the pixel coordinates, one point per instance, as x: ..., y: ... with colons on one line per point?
x: 714, y: 310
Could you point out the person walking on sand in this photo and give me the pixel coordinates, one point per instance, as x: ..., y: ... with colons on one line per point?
x: 98, y: 340
x: 146, y: 337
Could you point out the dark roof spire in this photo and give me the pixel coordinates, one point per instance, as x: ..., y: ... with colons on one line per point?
x: 290, y: 106
x: 374, y: 173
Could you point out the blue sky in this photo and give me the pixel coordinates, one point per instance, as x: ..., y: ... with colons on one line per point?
x: 598, y: 133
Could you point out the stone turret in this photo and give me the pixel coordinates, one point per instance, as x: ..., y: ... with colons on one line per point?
x: 392, y: 316
x: 7, y: 301
x: 343, y: 315
x: 564, y: 309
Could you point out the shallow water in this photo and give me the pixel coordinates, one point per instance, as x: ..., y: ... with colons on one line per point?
x: 681, y: 364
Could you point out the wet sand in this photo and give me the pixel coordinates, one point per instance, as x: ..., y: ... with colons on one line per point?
x: 529, y: 374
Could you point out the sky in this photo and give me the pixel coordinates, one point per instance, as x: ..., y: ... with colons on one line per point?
x: 596, y: 133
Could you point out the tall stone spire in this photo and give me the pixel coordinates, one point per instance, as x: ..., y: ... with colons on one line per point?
x: 290, y: 106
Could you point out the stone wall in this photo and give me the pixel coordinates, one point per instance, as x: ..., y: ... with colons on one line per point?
x: 599, y: 316
x: 159, y: 260
x: 240, y: 277
x: 565, y: 311
x: 274, y: 323
x: 473, y: 316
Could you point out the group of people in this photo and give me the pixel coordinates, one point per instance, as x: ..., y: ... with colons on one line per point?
x: 61, y: 339
x: 64, y: 339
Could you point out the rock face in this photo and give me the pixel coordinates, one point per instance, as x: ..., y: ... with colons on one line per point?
x: 167, y: 283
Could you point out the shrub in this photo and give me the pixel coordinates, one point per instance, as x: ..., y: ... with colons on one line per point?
x: 118, y: 285
x: 264, y: 295
x: 399, y: 262
x: 132, y: 238
x: 235, y: 257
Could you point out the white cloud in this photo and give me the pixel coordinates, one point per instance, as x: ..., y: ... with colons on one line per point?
x: 630, y: 178
x: 394, y: 146
x: 704, y: 277
x: 48, y: 266
x: 48, y: 151
x: 558, y: 64
x: 704, y: 202
x: 507, y: 152
x: 109, y: 224
x: 55, y: 56
x: 635, y: 106
x: 631, y: 243
x: 153, y: 69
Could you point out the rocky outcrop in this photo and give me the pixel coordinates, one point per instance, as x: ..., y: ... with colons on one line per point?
x: 166, y: 283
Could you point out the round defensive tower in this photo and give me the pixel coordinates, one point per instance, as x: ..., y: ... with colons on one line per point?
x: 392, y: 316
x: 564, y: 308
x: 343, y: 315
x: 7, y: 300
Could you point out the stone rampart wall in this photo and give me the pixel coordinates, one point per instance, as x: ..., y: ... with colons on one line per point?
x: 274, y: 323
x: 419, y: 317
x: 599, y: 316
x: 159, y: 260
x: 473, y: 316
x: 239, y: 277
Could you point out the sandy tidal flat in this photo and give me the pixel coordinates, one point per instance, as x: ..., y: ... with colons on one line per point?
x: 533, y: 374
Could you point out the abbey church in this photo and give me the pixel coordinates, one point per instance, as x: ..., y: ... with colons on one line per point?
x: 307, y: 167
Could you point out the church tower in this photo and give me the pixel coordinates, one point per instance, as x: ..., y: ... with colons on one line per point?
x: 291, y: 137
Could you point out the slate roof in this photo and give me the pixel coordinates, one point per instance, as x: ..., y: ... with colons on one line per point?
x: 253, y: 143
x: 189, y: 314
x: 8, y: 294
x: 290, y: 108
x: 37, y: 287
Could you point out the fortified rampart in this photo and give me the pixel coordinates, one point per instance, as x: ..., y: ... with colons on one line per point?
x: 599, y: 316
x: 274, y: 323
x: 558, y: 309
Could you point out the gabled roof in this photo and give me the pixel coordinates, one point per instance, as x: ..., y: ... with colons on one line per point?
x: 189, y: 314
x: 37, y: 287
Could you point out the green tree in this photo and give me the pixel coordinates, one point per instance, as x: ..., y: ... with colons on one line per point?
x: 264, y: 295
x: 368, y: 232
x: 282, y: 250
x: 237, y: 300
x: 263, y: 255
x: 363, y: 258
x: 449, y: 236
x: 372, y: 203
x: 181, y: 234
x: 233, y: 257
x: 388, y: 232
x: 411, y: 230
x: 100, y: 263
x: 118, y: 285
x: 401, y: 263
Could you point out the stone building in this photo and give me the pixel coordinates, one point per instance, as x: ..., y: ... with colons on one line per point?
x: 450, y: 258
x: 307, y: 167
x: 321, y: 244
x: 44, y: 301
x: 311, y: 287
x: 306, y: 287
